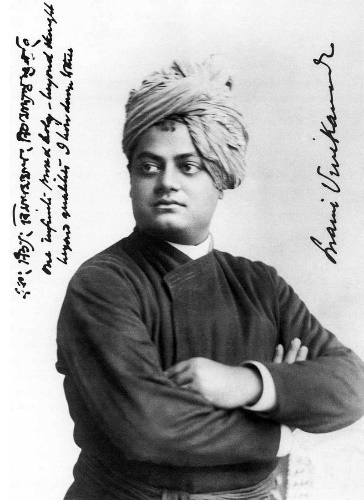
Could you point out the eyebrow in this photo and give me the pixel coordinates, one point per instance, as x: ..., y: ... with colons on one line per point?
x: 155, y: 157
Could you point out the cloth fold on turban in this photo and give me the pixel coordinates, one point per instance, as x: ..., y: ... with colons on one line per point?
x: 200, y: 95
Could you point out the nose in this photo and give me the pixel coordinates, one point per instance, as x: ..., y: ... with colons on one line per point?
x: 169, y: 178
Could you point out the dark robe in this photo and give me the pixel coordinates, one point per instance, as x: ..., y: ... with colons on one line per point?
x: 141, y: 306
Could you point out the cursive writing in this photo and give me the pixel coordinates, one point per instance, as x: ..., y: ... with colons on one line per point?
x: 328, y: 175
x: 24, y: 211
x: 66, y: 244
x: 22, y: 255
x: 330, y: 249
x: 43, y: 136
x: 48, y: 221
x: 63, y: 186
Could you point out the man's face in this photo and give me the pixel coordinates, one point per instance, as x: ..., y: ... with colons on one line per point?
x: 173, y: 196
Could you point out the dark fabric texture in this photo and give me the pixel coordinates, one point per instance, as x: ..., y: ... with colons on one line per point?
x: 94, y: 482
x: 139, y: 307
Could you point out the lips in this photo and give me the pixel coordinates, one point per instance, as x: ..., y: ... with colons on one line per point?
x: 163, y: 203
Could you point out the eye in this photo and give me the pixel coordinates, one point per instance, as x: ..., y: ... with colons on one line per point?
x: 190, y: 167
x: 148, y: 168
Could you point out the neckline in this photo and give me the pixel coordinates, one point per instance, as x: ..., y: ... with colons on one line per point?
x: 162, y: 255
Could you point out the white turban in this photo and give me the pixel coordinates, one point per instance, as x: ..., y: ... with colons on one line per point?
x: 200, y: 94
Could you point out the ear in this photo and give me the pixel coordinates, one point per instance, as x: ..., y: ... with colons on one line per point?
x: 131, y: 184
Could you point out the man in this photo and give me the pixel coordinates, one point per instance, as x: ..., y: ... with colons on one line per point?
x: 172, y: 351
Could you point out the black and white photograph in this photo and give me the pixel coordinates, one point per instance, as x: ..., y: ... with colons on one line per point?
x: 186, y: 276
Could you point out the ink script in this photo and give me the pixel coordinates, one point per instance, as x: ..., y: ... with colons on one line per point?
x: 329, y: 173
x: 41, y: 213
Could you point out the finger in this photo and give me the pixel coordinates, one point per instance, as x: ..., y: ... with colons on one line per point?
x: 189, y: 387
x: 291, y: 355
x: 278, y: 354
x: 182, y: 378
x: 177, y: 368
x: 302, y: 353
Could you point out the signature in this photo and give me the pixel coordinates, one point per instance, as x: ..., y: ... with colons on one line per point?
x: 328, y: 176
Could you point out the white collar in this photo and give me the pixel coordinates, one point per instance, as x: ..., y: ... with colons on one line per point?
x: 195, y: 251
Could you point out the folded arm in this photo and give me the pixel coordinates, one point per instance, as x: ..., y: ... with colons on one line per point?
x: 320, y: 394
x: 106, y: 351
x: 233, y: 386
x: 324, y: 393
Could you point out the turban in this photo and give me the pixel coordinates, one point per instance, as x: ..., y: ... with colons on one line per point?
x: 199, y: 94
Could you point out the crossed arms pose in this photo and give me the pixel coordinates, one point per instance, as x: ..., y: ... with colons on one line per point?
x: 229, y: 386
x: 186, y: 367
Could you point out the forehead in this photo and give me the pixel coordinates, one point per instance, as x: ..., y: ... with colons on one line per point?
x: 166, y: 140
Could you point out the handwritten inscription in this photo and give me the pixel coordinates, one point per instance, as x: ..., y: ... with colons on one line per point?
x: 43, y: 135
x: 328, y: 175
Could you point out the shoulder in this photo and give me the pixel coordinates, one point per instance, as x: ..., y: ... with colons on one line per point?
x: 107, y: 269
x: 112, y: 256
x: 255, y: 280
x: 263, y: 281
x: 247, y: 269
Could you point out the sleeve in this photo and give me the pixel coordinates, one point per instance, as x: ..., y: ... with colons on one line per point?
x: 266, y: 402
x: 268, y: 398
x: 108, y: 353
x: 325, y: 392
